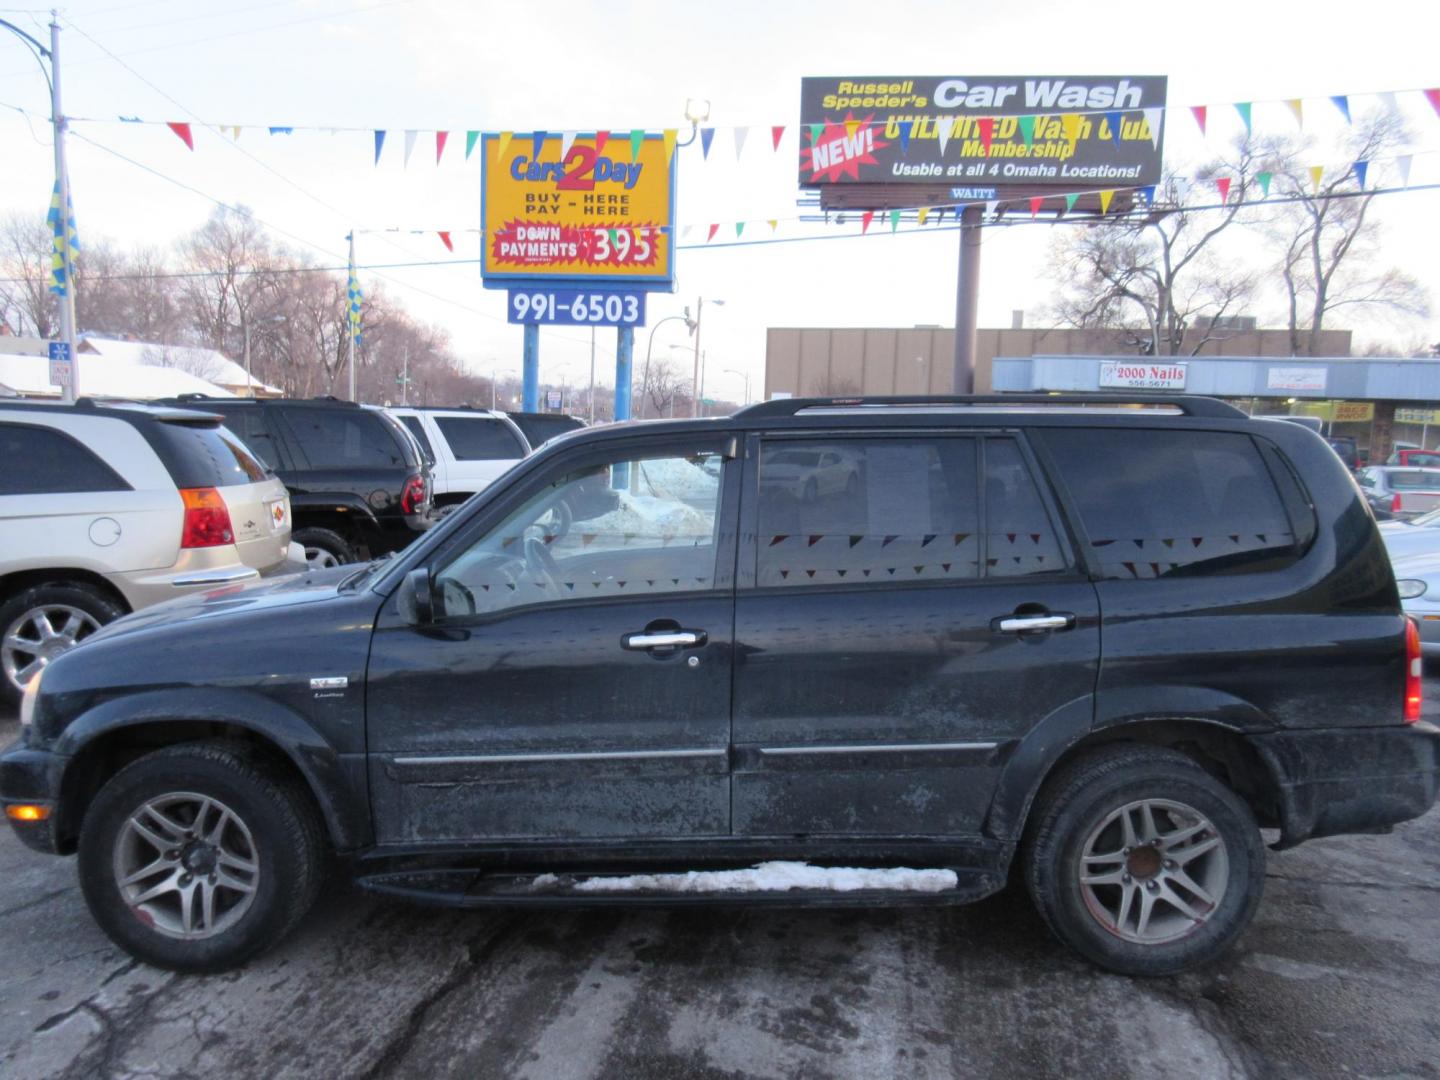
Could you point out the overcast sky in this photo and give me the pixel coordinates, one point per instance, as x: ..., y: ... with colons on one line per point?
x: 461, y: 64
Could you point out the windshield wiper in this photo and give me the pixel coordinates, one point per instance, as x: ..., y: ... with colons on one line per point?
x: 353, y: 581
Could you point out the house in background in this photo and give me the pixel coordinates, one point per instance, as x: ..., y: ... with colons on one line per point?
x: 120, y: 367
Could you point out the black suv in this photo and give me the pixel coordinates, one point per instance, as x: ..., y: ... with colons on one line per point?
x: 540, y: 428
x: 888, y: 649
x: 359, y: 485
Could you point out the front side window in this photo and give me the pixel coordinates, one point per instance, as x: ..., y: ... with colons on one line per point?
x: 1173, y: 503
x: 478, y: 438
x: 413, y: 425
x: 634, y: 527
x: 42, y: 461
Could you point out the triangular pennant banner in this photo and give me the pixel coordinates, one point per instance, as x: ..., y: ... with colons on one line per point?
x: 282, y: 131
x: 739, y: 228
x: 537, y: 144
x: 740, y: 134
x: 379, y: 145
x: 567, y: 140
x: 1070, y: 125
x: 774, y: 223
x: 1198, y: 111
x: 894, y: 220
x: 815, y: 132
x: 1361, y: 167
x: 1222, y: 184
x: 1027, y: 129
x: 1433, y: 96
x: 865, y: 220
x: 1153, y: 119
x: 1148, y: 193
x: 1263, y: 179
x: 637, y: 140
x: 986, y: 124
x: 1112, y: 119
x: 183, y: 131
x: 711, y: 234
x: 1243, y: 108
x: 1316, y: 172
x: 1343, y: 104
x: 851, y: 127
x: 1403, y: 164
x: 1297, y: 109
x: 503, y: 144
x: 471, y: 138
x: 942, y: 132
x: 991, y: 207
x: 441, y: 137
x: 669, y: 135
x: 707, y: 136
x: 904, y: 138
x: 445, y: 239
x: 1036, y: 201
x: 1105, y: 197
x: 601, y: 138
x: 1070, y: 202
x: 776, y: 134
x: 410, y: 137
x: 922, y: 214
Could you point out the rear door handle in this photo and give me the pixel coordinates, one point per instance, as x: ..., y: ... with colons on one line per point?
x: 664, y: 639
x: 1020, y: 624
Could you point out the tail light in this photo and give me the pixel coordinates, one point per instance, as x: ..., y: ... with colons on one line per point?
x: 207, y: 519
x: 412, y: 499
x: 1414, y: 665
x: 1395, y: 503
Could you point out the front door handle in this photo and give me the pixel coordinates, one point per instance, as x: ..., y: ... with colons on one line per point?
x: 1020, y: 624
x: 664, y: 639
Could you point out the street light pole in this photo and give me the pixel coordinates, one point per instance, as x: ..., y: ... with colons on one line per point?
x: 695, y: 326
x: 62, y: 174
x: 744, y: 375
x: 592, y: 375
x: 645, y: 379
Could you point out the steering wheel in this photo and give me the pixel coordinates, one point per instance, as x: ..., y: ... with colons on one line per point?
x: 541, y: 563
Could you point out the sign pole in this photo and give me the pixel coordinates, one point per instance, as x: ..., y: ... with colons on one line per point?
x: 592, y: 375
x: 530, y: 395
x: 624, y: 352
x: 351, y: 325
x: 967, y: 300
x: 71, y: 390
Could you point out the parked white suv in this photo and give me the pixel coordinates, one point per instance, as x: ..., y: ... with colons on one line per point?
x: 106, y: 509
x: 468, y: 448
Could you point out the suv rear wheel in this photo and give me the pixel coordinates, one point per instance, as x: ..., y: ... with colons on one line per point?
x: 39, y: 623
x: 199, y: 856
x: 1142, y: 861
x: 323, y: 547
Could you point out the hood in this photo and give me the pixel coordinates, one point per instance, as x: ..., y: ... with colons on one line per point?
x: 1421, y: 565
x: 283, y: 592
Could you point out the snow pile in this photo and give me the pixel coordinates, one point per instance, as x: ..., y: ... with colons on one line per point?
x: 777, y: 876
x: 648, y: 517
x: 678, y: 479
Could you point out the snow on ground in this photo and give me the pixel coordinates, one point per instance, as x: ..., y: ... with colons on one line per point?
x: 647, y: 516
x: 775, y: 876
x: 678, y: 479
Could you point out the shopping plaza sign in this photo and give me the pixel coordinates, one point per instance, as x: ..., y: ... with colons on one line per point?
x: 584, y: 209
x: 1020, y: 134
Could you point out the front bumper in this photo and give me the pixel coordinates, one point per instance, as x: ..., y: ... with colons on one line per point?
x: 33, y: 777
x: 1351, y: 780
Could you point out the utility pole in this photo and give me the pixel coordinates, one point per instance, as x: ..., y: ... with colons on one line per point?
x: 695, y: 377
x: 349, y: 326
x: 405, y: 376
x: 592, y: 375
x: 62, y: 175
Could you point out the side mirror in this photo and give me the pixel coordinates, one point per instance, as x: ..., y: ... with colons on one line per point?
x: 417, y: 602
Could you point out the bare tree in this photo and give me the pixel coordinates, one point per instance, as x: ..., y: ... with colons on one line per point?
x: 1329, y: 243
x: 667, y: 390
x: 27, y: 307
x: 1157, y: 277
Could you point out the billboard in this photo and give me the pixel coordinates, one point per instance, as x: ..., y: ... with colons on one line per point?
x: 1140, y: 375
x: 998, y: 136
x: 588, y: 210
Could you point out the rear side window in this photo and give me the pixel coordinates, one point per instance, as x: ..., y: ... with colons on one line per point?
x: 1172, y: 503
x: 413, y: 425
x: 345, y: 439
x: 540, y: 429
x: 479, y: 438
x: 249, y: 424
x: 1019, y: 537
x: 203, y: 455
x: 42, y: 461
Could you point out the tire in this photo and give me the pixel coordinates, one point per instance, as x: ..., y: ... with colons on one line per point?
x: 323, y: 547
x: 274, y: 828
x: 1095, y: 920
x: 84, y: 607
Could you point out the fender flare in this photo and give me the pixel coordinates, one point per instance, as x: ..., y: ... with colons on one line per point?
x: 340, y: 787
x: 335, y: 502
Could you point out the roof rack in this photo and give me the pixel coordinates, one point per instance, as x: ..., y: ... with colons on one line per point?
x: 1189, y: 404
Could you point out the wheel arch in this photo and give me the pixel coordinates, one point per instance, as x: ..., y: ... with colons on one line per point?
x: 107, y: 738
x: 17, y: 581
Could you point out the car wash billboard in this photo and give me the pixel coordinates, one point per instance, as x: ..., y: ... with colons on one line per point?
x: 1005, y: 132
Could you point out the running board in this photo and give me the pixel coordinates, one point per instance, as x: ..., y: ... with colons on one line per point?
x: 772, y: 884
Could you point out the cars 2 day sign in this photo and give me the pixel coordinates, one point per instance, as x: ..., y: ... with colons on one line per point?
x: 601, y: 209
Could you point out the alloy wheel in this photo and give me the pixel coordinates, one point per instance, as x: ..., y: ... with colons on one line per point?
x: 39, y: 636
x: 319, y: 559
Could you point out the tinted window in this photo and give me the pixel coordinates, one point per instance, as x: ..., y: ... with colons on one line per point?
x: 203, y: 455
x: 1019, y: 537
x: 538, y: 428
x: 1160, y: 503
x: 630, y: 528
x: 344, y: 439
x: 249, y: 424
x: 873, y: 510
x: 479, y: 438
x: 43, y: 461
x: 413, y: 425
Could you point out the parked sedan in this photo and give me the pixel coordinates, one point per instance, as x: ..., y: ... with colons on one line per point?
x: 1418, y: 536
x: 1418, y: 579
x: 1400, y: 493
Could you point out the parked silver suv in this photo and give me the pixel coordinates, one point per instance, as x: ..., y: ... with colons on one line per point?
x: 106, y: 509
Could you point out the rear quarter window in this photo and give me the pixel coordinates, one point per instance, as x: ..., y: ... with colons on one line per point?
x: 479, y: 438
x: 39, y: 460
x: 1162, y: 503
x: 335, y: 438
x: 204, y: 455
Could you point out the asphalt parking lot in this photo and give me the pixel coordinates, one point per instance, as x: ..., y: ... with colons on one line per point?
x: 1338, y: 976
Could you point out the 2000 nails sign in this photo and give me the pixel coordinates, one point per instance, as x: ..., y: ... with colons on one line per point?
x: 567, y: 207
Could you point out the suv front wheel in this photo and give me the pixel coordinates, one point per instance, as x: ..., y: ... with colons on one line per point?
x: 1142, y: 861
x: 198, y: 856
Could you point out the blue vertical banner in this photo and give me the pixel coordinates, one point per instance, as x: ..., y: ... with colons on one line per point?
x: 65, y: 243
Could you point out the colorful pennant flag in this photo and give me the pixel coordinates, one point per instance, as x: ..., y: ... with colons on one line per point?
x: 1263, y: 179
x: 851, y: 127
x: 1070, y: 125
x: 1243, y: 108
x: 669, y: 135
x: 1387, y: 98
x: 503, y: 144
x: 537, y: 144
x: 282, y: 131
x: 739, y: 228
x: 1342, y: 102
x: 922, y: 214
x: 904, y: 138
x: 1360, y: 168
x: 471, y: 138
x: 379, y: 144
x: 1153, y: 120
x: 441, y: 137
x: 707, y: 136
x: 637, y: 140
x: 1070, y: 202
x: 1316, y: 172
x: 942, y: 132
x: 894, y: 220
x: 567, y: 140
x: 865, y: 220
x: 1148, y: 191
x: 1027, y: 129
x: 1112, y: 120
x: 183, y: 131
x: 774, y: 223
x: 1036, y: 201
x: 445, y: 239
x: 816, y: 130
x: 235, y: 132
x: 1403, y: 164
x: 1105, y: 198
x: 776, y: 134
x: 1198, y: 111
x: 1433, y: 96
x: 355, y: 296
x: 987, y: 132
x: 1222, y: 184
x: 740, y: 134
x: 601, y: 138
x: 711, y: 235
x: 64, y: 242
x: 1297, y: 107
x: 991, y: 206
x: 410, y: 137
